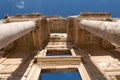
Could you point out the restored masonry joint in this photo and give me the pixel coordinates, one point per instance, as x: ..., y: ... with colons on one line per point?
x: 33, y: 45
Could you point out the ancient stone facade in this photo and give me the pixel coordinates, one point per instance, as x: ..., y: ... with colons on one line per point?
x: 94, y: 56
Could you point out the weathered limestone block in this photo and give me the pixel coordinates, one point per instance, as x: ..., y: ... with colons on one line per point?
x: 70, y: 29
x: 20, y: 17
x: 79, y: 34
x: 32, y: 15
x: 25, y: 42
x: 43, y: 32
x: 104, y: 16
x: 57, y: 25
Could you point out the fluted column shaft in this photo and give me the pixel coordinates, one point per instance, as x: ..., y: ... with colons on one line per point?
x: 9, y: 32
x: 104, y: 29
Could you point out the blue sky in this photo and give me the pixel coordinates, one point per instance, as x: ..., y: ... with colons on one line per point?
x: 60, y: 76
x: 58, y: 7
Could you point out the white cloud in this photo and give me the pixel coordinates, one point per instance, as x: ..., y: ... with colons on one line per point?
x: 20, y: 4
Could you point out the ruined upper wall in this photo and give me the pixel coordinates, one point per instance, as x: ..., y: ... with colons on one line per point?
x: 20, y: 17
x: 95, y: 14
x: 49, y: 17
x: 104, y: 16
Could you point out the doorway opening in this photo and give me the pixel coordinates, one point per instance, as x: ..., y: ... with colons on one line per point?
x: 58, y: 53
x: 60, y: 74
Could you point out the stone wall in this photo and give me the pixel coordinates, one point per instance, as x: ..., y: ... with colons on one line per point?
x: 44, y: 32
x: 25, y: 42
x: 70, y: 29
x: 41, y: 33
x: 57, y: 25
